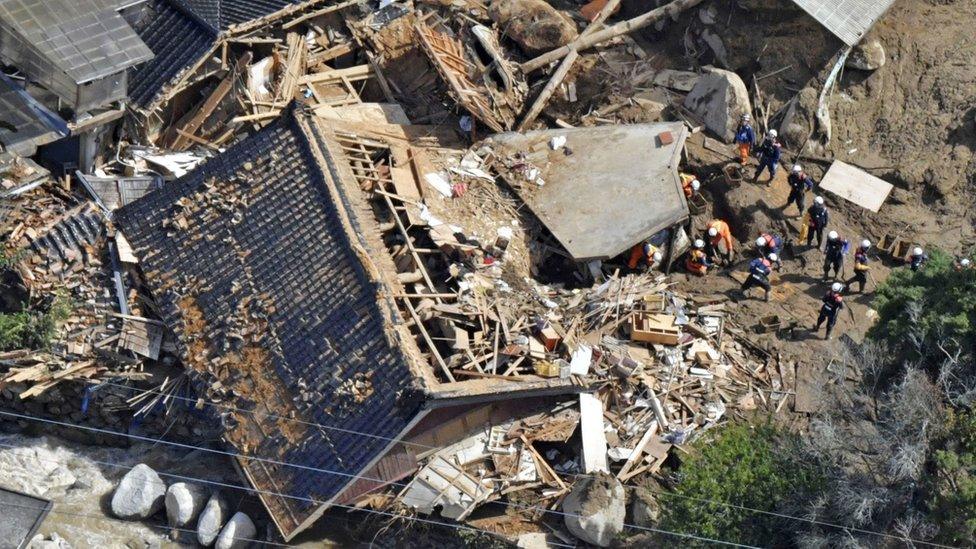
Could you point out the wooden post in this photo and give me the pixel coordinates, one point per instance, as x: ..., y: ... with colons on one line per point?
x: 624, y: 27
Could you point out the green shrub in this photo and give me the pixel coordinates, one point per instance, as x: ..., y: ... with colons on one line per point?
x: 935, y: 305
x: 952, y: 489
x: 33, y: 329
x: 748, y: 466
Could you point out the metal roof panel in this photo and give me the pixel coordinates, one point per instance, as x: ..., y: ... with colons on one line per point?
x: 850, y: 20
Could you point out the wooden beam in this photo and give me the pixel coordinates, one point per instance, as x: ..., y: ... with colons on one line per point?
x: 318, y: 13
x: 624, y: 27
x: 567, y: 63
x: 205, y: 109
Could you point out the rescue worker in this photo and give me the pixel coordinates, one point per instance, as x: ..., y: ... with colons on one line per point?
x: 745, y: 138
x: 697, y: 261
x: 918, y: 259
x: 769, y: 244
x: 719, y: 237
x: 834, y: 254
x: 833, y: 302
x: 759, y: 270
x: 769, y: 153
x: 689, y: 184
x: 861, y: 268
x: 963, y: 264
x: 800, y: 183
x: 818, y: 217
x: 644, y: 256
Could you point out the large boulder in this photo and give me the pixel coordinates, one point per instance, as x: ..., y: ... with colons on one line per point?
x: 239, y: 532
x: 595, y: 509
x: 535, y: 25
x: 719, y: 98
x: 212, y: 518
x: 184, y: 502
x: 645, y: 511
x: 800, y: 119
x: 140, y: 494
x: 869, y: 55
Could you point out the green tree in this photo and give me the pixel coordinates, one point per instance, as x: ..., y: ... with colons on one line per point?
x: 33, y: 329
x: 921, y: 311
x: 749, y: 466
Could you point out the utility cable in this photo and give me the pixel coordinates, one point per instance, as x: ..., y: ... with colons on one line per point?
x: 326, y: 471
x: 700, y: 500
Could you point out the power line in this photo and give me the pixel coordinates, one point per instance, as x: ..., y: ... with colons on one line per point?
x: 802, y: 519
x: 701, y: 500
x: 150, y: 525
x: 257, y: 491
x: 326, y: 471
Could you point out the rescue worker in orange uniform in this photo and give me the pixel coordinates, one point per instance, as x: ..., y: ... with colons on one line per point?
x: 689, y: 184
x: 745, y: 138
x: 697, y: 261
x: 644, y: 256
x: 719, y: 239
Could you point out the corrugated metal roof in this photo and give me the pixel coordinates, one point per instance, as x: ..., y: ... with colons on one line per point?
x: 177, y: 40
x: 850, y: 20
x: 24, y: 122
x: 265, y: 292
x: 80, y: 37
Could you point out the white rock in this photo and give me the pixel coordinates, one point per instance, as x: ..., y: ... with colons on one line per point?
x: 595, y: 509
x: 212, y: 519
x: 140, y: 494
x: 719, y: 98
x: 237, y: 533
x: 184, y: 502
x: 55, y: 542
x: 869, y: 55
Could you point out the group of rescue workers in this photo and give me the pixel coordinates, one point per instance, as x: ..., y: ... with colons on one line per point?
x: 716, y: 246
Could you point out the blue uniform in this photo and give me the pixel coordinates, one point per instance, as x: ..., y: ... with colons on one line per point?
x: 769, y: 153
x: 918, y: 261
x: 819, y: 217
x: 758, y: 276
x: 745, y: 134
x: 833, y: 302
x: 834, y: 256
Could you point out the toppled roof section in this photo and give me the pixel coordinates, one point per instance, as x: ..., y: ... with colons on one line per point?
x: 26, y: 124
x: 255, y: 265
x: 177, y: 41
x: 219, y: 15
x: 594, y: 203
x: 849, y: 20
x: 86, y: 39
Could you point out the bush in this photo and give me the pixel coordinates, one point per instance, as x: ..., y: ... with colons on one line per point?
x: 748, y: 466
x: 33, y: 329
x: 953, y: 486
x: 918, y: 310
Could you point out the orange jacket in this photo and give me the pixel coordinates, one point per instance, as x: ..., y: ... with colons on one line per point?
x: 686, y: 180
x: 724, y: 233
x: 638, y: 257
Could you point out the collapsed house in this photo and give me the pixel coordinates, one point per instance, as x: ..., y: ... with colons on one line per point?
x: 268, y: 265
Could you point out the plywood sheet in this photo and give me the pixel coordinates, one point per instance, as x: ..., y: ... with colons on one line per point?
x: 856, y: 185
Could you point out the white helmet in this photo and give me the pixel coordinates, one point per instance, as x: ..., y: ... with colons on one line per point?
x: 819, y: 200
x: 773, y: 257
x: 712, y: 231
x: 965, y: 262
x: 773, y: 133
x: 699, y: 243
x: 746, y: 117
x: 797, y: 168
x: 917, y: 251
x: 865, y: 244
x: 833, y: 235
x: 837, y: 287
x: 761, y: 241
x: 695, y: 184
x: 657, y: 256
